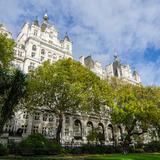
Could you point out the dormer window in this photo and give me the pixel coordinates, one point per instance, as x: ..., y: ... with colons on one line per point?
x: 34, y: 48
x: 35, y: 32
x: 43, y: 52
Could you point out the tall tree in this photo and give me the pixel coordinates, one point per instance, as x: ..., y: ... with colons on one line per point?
x: 6, y: 51
x: 65, y: 86
x: 6, y: 56
x: 135, y: 108
x: 10, y: 95
x: 12, y: 82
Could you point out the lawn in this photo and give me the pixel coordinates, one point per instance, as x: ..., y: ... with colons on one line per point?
x: 126, y: 157
x: 89, y: 157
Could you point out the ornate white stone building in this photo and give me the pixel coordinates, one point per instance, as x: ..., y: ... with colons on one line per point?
x: 115, y: 69
x: 38, y: 42
x: 4, y: 31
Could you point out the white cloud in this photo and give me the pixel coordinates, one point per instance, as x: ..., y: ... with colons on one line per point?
x: 147, y: 70
x: 98, y: 27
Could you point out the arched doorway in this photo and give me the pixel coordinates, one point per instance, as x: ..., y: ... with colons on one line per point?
x: 77, y: 129
x: 101, y: 135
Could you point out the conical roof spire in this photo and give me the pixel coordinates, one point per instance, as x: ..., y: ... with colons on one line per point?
x: 116, y: 57
x: 67, y: 37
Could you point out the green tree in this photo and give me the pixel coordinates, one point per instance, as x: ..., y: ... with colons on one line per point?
x: 6, y: 51
x: 156, y: 120
x: 135, y: 108
x: 12, y: 82
x: 12, y: 91
x: 96, y: 136
x: 65, y: 86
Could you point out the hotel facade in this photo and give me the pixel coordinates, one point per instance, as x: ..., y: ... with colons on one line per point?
x: 38, y: 42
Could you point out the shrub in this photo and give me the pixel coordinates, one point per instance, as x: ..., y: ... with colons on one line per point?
x: 153, y: 146
x: 98, y: 149
x: 96, y: 136
x: 13, y: 148
x: 91, y: 149
x: 53, y: 147
x: 37, y: 144
x: 3, y: 150
x: 139, y: 150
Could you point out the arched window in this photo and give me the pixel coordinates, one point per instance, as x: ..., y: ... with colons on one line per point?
x: 54, y: 56
x: 101, y: 135
x: 34, y: 48
x: 119, y: 134
x: 89, y: 127
x: 43, y: 52
x: 101, y: 128
x: 77, y: 129
x: 110, y: 132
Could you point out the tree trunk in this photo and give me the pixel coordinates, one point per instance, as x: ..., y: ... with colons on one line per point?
x: 128, y: 140
x: 125, y: 144
x: 59, y: 128
x: 14, y: 95
x: 6, y: 114
x: 2, y: 123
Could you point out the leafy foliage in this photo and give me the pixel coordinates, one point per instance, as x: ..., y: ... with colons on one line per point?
x: 36, y: 144
x: 153, y: 146
x: 3, y: 150
x: 12, y: 82
x: 65, y: 86
x: 91, y: 149
x: 95, y: 136
x: 6, y: 51
x: 13, y: 87
x: 136, y: 108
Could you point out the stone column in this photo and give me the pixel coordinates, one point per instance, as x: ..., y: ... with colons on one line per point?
x: 84, y: 130
x: 106, y: 133
x: 71, y: 133
x: 29, y: 124
x: 63, y: 130
x: 40, y: 125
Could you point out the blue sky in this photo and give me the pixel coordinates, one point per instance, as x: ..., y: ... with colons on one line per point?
x: 100, y: 28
